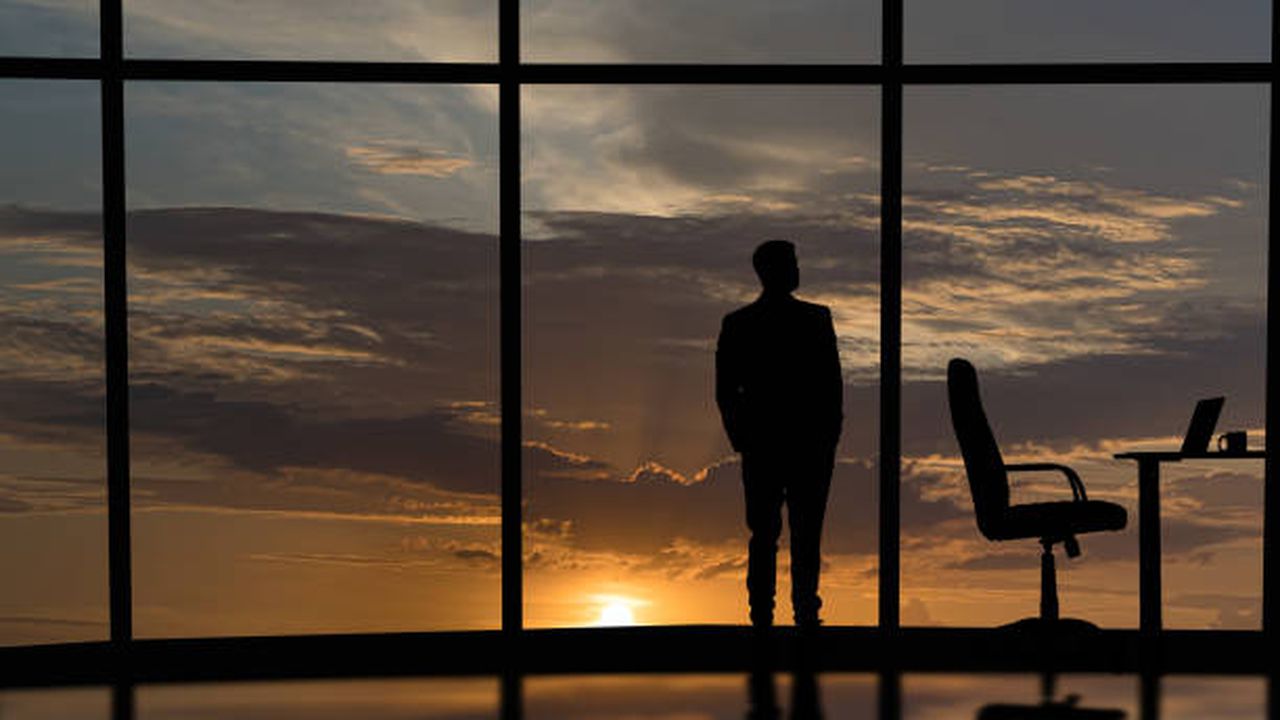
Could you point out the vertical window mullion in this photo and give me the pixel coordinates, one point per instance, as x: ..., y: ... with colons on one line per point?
x: 1271, y: 502
x: 510, y: 311
x: 111, y: 49
x: 890, y: 314
x: 511, y: 363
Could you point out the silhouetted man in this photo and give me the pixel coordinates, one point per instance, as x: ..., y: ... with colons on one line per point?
x: 779, y: 389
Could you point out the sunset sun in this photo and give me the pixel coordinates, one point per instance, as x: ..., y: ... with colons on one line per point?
x: 615, y: 611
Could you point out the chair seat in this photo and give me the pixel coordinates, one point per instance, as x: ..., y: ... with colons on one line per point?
x: 1058, y: 519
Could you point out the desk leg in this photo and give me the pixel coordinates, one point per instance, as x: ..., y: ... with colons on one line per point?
x: 1149, y: 597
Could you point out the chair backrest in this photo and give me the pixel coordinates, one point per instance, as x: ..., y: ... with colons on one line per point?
x: 988, y: 480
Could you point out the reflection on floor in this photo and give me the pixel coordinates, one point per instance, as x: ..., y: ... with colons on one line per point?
x: 668, y: 697
x: 718, y: 697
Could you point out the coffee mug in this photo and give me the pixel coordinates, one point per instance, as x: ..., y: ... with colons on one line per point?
x: 1233, y: 443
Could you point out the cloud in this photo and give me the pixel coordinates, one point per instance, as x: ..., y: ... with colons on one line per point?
x: 699, y: 524
x: 1129, y: 209
x: 257, y: 297
x: 1108, y: 397
x: 11, y: 505
x: 50, y: 298
x: 654, y: 473
x: 544, y: 419
x: 390, y: 158
x: 303, y: 302
x: 285, y: 282
x: 51, y: 621
x: 42, y: 494
x: 1017, y: 271
x: 348, y: 148
x: 327, y: 559
x: 435, y: 448
x: 1232, y: 612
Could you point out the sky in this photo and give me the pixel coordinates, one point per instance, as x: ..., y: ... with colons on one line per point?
x: 313, y: 313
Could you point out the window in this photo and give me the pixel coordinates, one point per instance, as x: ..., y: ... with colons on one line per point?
x: 313, y: 357
x: 1098, y: 253
x: 316, y: 308
x: 430, y: 31
x: 53, y: 519
x: 688, y: 31
x: 643, y: 205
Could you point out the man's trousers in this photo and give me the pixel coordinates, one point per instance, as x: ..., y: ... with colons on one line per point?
x: 800, y: 478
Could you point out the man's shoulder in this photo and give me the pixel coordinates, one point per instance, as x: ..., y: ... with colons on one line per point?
x: 744, y: 313
x: 813, y: 309
x: 750, y: 312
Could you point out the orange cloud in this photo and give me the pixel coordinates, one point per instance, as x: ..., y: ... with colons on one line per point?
x: 391, y: 158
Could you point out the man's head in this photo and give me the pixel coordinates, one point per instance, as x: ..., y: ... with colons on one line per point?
x: 775, y: 263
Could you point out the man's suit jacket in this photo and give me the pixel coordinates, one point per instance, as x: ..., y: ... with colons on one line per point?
x: 778, y: 382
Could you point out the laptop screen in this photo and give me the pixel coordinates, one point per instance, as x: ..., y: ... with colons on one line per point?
x: 1203, y: 421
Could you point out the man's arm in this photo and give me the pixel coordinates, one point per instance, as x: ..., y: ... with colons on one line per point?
x: 729, y: 383
x: 832, y: 380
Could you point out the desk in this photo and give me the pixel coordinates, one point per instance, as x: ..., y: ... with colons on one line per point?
x: 1149, y: 595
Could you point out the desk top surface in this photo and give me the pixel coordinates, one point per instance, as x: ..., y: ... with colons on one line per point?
x: 1175, y: 456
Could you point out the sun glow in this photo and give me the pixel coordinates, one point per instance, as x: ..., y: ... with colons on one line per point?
x: 615, y: 611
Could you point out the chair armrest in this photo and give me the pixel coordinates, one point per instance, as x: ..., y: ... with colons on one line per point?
x: 1077, y: 487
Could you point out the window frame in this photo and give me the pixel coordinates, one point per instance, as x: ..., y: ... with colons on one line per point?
x: 112, y: 69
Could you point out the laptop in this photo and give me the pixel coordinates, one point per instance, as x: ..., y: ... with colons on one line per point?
x: 1200, y: 431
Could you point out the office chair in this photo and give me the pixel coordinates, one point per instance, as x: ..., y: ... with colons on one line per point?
x: 1050, y: 522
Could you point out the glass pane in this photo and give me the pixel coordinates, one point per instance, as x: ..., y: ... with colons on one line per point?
x: 1099, y: 254
x: 643, y: 208
x: 678, y: 31
x: 963, y: 697
x: 944, y: 31
x: 371, y: 30
x: 433, y: 699
x: 313, y: 285
x: 85, y: 703
x: 714, y: 697
x: 49, y: 28
x: 53, y: 530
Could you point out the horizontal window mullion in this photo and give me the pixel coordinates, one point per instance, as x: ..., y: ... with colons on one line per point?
x: 548, y: 73
x: 1087, y: 73
x: 310, y: 71
x: 51, y: 68
x: 698, y: 74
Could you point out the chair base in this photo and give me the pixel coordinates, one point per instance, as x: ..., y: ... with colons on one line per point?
x: 1043, y: 626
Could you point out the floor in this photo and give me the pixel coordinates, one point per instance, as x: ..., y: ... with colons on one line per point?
x: 666, y: 673
x: 937, y: 696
